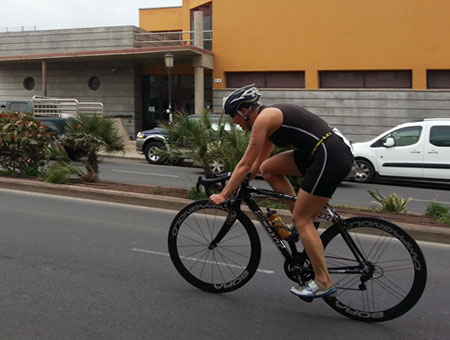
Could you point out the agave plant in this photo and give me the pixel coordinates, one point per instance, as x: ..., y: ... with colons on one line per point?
x: 392, y: 203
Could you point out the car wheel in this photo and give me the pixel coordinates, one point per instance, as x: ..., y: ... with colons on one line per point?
x: 151, y: 154
x: 217, y: 166
x: 364, y: 171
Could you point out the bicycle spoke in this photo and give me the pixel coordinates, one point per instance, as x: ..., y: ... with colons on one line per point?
x: 232, y: 251
x: 233, y: 238
x: 381, y: 249
x: 218, y: 269
x: 395, y: 265
x: 235, y: 265
x: 197, y: 260
x: 391, y: 287
x: 201, y: 233
x: 193, y: 240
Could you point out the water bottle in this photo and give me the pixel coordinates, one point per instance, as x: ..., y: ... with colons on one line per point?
x: 280, y: 227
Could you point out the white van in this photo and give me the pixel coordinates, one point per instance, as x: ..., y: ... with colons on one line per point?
x: 415, y: 150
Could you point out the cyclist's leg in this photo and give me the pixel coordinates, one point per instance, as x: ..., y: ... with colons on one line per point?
x: 276, y: 168
x: 328, y: 167
x: 306, y: 209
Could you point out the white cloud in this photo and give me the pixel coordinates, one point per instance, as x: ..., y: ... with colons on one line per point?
x: 55, y: 14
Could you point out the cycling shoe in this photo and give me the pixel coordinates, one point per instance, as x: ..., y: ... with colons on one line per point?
x: 312, y: 291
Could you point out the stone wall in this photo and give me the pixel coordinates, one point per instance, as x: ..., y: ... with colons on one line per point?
x: 119, y: 91
x: 360, y: 114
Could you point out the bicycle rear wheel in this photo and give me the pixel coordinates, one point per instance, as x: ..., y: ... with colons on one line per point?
x: 393, y: 282
x: 217, y: 269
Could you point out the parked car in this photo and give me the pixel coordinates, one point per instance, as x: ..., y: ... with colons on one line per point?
x: 414, y: 150
x: 149, y: 142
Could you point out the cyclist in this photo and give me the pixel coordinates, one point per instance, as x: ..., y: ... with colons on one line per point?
x: 319, y: 153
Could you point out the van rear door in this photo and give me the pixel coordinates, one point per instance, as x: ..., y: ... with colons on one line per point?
x: 437, y: 150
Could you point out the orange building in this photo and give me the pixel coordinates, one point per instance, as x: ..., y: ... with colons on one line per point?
x: 320, y: 44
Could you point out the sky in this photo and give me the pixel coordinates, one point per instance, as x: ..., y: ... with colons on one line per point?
x: 56, y: 14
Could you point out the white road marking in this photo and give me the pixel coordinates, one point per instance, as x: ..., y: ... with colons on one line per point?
x: 265, y: 271
x: 428, y: 201
x: 144, y: 173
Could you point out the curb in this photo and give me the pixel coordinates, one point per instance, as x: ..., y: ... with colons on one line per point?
x: 419, y: 232
x: 147, y: 200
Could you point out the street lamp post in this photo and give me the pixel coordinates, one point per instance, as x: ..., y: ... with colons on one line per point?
x: 168, y: 61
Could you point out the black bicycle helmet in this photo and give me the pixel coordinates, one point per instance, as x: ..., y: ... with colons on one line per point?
x: 245, y: 95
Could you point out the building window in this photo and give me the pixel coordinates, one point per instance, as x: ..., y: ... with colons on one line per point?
x: 94, y: 83
x: 365, y: 79
x: 267, y: 79
x: 28, y: 83
x: 438, y: 79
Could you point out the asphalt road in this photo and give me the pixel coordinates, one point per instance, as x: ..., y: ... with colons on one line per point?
x: 81, y: 269
x: 348, y: 194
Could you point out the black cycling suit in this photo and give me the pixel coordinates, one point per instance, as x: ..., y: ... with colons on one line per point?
x: 323, y: 158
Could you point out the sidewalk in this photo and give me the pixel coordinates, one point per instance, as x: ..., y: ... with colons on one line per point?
x: 130, y: 152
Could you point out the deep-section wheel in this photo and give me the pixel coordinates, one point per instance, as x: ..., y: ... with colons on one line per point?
x: 389, y: 285
x: 217, y: 268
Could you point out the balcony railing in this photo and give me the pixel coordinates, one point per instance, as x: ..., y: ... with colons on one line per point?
x: 154, y: 39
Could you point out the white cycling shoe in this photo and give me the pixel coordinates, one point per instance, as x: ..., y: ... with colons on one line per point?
x: 312, y: 291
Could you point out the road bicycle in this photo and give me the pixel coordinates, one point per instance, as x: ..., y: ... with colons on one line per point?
x: 379, y: 270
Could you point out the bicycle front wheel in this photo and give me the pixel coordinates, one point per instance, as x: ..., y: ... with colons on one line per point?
x: 219, y: 268
x: 393, y: 281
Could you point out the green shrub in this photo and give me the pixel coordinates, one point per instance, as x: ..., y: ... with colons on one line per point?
x: 195, y: 195
x: 24, y: 144
x: 393, y: 203
x: 438, y: 211
x: 444, y: 219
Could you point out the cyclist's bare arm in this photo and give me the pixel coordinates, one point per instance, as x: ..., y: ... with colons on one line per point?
x: 267, y: 150
x: 264, y: 125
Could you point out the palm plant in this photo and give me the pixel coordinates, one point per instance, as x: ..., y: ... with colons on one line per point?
x: 203, y: 143
x: 232, y: 147
x: 92, y: 134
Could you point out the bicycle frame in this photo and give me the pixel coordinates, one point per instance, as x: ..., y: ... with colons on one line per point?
x: 244, y: 194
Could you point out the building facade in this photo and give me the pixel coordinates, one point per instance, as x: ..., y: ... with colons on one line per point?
x: 321, y: 44
x: 364, y: 66
x: 108, y: 65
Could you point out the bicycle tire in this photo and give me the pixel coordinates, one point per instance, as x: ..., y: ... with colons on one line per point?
x: 397, y: 282
x: 227, y: 267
